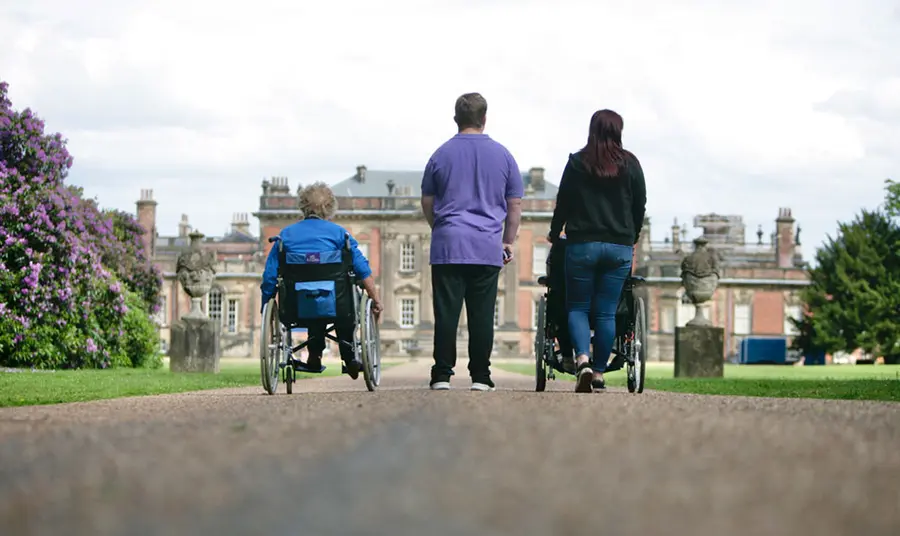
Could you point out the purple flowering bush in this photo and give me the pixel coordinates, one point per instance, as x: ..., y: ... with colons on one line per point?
x: 61, y: 305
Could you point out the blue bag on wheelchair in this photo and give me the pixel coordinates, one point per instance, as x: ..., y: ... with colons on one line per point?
x: 316, y: 286
x: 316, y: 299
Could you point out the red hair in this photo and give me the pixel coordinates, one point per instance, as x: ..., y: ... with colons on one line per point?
x: 603, y: 155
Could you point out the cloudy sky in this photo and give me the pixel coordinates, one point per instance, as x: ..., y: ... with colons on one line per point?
x: 732, y: 107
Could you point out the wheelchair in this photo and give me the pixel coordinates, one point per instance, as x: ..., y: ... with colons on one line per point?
x: 313, y: 288
x: 553, y: 349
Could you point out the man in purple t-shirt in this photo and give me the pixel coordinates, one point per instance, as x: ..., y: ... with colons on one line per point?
x: 471, y: 186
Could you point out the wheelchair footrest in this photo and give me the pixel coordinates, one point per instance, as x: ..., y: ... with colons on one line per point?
x: 617, y: 363
x: 300, y: 366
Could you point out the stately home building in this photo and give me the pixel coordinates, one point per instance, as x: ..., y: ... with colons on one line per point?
x: 382, y: 210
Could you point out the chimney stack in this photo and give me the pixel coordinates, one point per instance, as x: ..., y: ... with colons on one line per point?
x: 676, y: 235
x: 146, y: 217
x: 537, y: 179
x: 184, y: 228
x: 278, y: 186
x: 361, y: 173
x: 784, y: 238
x: 241, y: 223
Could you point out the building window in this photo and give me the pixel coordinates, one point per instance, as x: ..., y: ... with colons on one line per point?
x: 535, y: 308
x: 539, y: 259
x: 162, y: 315
x: 742, y: 319
x: 795, y: 312
x: 364, y: 249
x: 497, y: 312
x: 164, y: 346
x: 667, y: 319
x: 231, y: 324
x: 214, y: 304
x: 408, y: 313
x: 407, y: 257
x: 408, y: 345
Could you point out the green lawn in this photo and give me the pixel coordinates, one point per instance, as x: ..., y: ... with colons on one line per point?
x: 848, y: 382
x: 25, y: 388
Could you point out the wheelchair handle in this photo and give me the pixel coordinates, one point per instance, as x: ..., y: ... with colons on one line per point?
x: 273, y: 239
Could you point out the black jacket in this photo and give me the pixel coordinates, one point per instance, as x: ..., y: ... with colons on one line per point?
x: 600, y: 209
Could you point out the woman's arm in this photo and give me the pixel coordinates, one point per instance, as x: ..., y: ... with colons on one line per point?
x: 562, y: 203
x: 270, y: 275
x: 639, y: 198
x: 364, y: 273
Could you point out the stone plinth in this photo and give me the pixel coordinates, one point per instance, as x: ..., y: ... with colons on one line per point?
x: 699, y: 352
x: 194, y: 346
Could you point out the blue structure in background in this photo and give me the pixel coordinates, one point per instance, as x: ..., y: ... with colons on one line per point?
x: 814, y: 358
x: 763, y: 350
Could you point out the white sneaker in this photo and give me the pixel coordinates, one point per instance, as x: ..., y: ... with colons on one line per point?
x: 440, y: 386
x: 481, y: 387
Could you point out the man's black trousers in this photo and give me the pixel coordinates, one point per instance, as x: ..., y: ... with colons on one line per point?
x: 476, y: 285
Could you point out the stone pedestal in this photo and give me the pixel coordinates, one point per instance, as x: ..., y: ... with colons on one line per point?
x: 699, y: 352
x: 194, y: 346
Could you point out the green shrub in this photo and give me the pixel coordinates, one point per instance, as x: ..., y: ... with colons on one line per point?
x: 139, y: 339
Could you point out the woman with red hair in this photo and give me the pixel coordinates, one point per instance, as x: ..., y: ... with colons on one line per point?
x: 601, y: 203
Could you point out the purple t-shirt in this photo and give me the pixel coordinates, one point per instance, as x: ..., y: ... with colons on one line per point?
x: 470, y: 176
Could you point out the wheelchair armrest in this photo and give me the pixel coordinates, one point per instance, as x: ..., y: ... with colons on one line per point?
x: 542, y: 281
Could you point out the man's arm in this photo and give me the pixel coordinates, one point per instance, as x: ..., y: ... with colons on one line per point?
x: 428, y: 191
x: 513, y: 219
x: 428, y: 209
x: 515, y: 190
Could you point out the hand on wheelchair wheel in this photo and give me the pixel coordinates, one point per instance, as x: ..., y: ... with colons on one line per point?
x: 377, y: 308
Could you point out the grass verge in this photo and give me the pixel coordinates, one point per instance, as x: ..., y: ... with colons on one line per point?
x: 845, y: 382
x: 26, y: 388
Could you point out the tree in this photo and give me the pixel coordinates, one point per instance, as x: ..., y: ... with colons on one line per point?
x: 892, y: 198
x: 854, y: 297
x: 60, y: 306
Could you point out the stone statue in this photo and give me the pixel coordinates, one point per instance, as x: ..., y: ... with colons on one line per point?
x: 196, y: 270
x: 700, y: 277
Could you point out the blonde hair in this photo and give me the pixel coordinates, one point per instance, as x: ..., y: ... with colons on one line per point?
x: 317, y: 200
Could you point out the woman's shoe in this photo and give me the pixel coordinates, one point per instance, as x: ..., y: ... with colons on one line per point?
x: 584, y: 377
x: 599, y: 385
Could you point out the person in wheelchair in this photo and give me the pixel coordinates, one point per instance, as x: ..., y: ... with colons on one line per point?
x: 315, y: 233
x: 601, y: 203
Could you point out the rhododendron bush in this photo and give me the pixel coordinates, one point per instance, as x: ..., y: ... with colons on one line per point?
x: 66, y: 269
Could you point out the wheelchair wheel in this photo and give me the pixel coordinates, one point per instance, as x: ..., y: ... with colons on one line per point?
x: 637, y: 359
x: 289, y: 377
x: 370, y: 344
x: 540, y: 347
x: 270, y: 347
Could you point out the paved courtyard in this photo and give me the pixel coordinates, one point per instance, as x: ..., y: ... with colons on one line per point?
x: 333, y: 459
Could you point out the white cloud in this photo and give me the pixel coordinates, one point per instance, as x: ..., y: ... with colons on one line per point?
x: 736, y: 108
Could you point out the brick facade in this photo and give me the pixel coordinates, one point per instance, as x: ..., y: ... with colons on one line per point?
x: 759, y: 280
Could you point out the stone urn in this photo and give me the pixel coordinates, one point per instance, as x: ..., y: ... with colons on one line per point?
x: 700, y: 277
x: 196, y: 270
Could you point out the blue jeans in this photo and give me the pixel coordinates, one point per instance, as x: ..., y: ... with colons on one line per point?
x: 595, y: 275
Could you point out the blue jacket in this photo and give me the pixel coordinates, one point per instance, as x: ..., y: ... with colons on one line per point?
x: 311, y: 235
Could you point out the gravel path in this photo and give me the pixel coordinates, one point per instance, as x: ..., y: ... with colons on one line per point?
x: 334, y: 459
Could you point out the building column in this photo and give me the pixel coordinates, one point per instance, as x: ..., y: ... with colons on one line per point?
x: 426, y: 313
x: 388, y: 268
x: 511, y: 293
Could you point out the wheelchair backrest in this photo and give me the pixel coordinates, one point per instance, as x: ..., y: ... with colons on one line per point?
x: 315, y: 286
